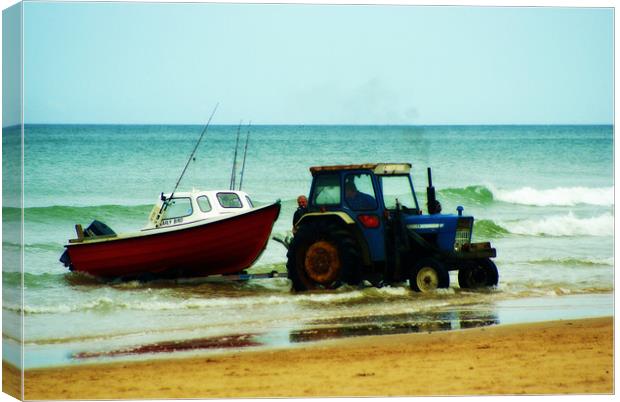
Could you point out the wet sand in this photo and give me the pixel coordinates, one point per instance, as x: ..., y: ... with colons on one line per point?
x: 560, y: 357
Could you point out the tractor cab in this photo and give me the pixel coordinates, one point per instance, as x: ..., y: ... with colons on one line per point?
x: 362, y: 187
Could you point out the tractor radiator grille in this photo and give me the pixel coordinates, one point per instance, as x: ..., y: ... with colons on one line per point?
x: 463, y: 233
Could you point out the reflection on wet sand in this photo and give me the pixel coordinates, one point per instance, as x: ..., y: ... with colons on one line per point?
x: 223, y: 342
x: 316, y: 330
x: 393, y: 324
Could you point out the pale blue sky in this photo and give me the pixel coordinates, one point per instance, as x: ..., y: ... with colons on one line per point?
x: 316, y: 64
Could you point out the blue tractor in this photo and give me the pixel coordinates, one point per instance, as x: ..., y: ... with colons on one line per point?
x: 364, y: 223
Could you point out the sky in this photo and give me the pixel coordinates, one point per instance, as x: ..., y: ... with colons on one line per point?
x: 159, y: 63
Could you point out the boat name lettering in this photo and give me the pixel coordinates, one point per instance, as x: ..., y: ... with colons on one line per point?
x: 171, y: 221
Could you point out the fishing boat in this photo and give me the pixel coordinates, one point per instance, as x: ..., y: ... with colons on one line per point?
x: 188, y: 234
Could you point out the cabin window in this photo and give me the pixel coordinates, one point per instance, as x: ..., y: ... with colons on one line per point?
x: 359, y: 192
x: 204, y: 204
x: 250, y: 204
x: 178, y: 208
x: 327, y: 189
x: 398, y: 188
x: 229, y: 200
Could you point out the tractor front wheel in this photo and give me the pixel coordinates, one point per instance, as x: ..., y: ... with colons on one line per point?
x: 322, y: 256
x: 428, y: 275
x: 481, y: 274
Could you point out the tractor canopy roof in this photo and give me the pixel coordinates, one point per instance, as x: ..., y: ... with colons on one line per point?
x: 377, y: 168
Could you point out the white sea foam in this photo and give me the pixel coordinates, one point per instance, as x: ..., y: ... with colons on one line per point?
x: 560, y: 196
x: 584, y: 261
x: 563, y: 225
x: 157, y: 304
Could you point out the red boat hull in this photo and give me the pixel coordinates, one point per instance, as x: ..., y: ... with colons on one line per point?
x: 221, y: 247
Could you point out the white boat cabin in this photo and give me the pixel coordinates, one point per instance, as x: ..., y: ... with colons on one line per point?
x: 195, y: 205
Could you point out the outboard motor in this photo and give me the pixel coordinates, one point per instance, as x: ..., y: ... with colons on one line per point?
x: 433, y: 206
x: 96, y: 228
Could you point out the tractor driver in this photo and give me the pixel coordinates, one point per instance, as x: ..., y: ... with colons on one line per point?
x: 357, y: 200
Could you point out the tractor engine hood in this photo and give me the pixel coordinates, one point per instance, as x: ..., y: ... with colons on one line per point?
x: 449, y: 232
x: 434, y: 223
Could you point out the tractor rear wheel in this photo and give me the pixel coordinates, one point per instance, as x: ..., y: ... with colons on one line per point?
x: 322, y: 255
x: 482, y: 273
x: 429, y: 274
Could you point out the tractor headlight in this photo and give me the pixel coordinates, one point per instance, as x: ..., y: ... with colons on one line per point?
x: 463, y: 233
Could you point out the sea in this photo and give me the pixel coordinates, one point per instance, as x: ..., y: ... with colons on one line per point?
x: 542, y: 195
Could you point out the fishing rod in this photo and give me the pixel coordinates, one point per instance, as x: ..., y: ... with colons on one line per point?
x: 245, y: 152
x: 191, y: 156
x: 233, y: 174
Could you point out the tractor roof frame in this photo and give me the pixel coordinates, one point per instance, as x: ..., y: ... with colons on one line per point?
x: 377, y: 168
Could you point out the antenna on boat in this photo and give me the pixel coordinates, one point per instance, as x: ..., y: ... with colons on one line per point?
x: 233, y: 174
x: 245, y: 152
x: 164, y: 205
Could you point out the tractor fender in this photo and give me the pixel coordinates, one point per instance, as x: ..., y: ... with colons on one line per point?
x: 342, y: 218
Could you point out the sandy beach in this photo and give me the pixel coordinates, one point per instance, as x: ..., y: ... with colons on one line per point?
x: 560, y: 357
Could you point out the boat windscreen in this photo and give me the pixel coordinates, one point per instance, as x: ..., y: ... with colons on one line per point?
x: 229, y: 200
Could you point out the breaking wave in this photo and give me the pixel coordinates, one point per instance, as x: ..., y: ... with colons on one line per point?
x: 488, y: 228
x: 558, y: 225
x: 560, y: 196
x: 563, y: 225
x: 468, y: 195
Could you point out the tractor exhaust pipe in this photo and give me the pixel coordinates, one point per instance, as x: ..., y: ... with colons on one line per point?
x: 433, y: 206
